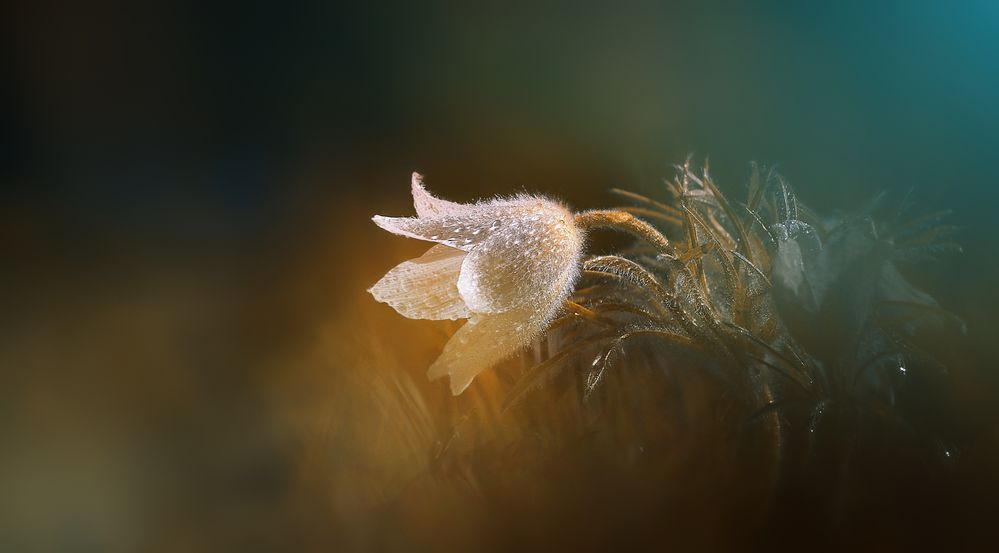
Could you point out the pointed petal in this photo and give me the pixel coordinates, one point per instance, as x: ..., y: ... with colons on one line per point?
x: 484, y: 341
x: 428, y: 206
x: 411, y: 227
x: 425, y: 287
x: 461, y: 232
x: 441, y: 221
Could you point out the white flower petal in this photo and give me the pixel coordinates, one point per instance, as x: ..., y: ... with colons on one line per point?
x: 411, y: 227
x: 425, y: 287
x: 482, y: 342
x: 532, y: 253
x: 463, y: 232
x: 428, y: 206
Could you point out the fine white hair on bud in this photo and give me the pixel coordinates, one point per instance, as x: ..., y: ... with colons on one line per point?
x: 505, y: 264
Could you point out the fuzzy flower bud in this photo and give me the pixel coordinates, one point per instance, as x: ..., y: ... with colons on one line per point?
x: 505, y: 264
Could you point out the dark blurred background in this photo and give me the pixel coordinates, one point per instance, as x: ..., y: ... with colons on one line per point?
x: 186, y: 188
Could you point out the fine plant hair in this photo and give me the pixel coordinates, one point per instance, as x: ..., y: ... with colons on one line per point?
x: 712, y: 289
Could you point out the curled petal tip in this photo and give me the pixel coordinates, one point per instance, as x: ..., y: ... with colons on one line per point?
x: 428, y: 205
x: 395, y: 225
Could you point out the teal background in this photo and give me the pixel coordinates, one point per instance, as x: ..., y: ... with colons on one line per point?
x: 188, y: 126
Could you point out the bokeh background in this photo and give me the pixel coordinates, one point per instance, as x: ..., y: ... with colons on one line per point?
x: 185, y: 234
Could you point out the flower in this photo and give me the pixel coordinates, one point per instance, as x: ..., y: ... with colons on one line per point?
x: 505, y: 264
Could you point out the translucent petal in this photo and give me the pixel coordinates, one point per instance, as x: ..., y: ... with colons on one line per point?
x: 484, y: 341
x: 425, y: 287
x: 428, y: 206
x: 458, y: 231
